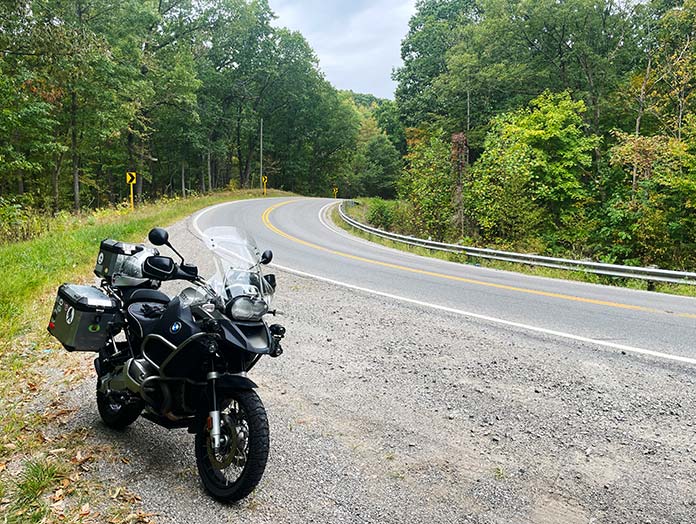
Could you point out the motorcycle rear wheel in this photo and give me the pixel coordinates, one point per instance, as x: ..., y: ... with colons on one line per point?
x: 232, y: 473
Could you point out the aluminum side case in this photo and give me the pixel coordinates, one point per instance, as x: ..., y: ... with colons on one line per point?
x: 82, y: 316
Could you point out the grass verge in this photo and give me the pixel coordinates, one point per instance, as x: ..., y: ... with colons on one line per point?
x: 358, y: 213
x: 42, y: 464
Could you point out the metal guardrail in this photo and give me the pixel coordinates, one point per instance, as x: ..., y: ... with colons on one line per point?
x: 597, y: 268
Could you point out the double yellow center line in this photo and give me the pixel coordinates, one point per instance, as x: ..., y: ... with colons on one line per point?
x: 267, y: 222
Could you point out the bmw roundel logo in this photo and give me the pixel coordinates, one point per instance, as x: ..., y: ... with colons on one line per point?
x: 100, y: 258
x: 176, y: 327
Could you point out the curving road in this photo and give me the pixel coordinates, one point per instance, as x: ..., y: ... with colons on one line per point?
x: 303, y: 239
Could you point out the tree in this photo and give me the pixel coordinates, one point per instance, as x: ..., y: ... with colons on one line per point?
x: 427, y: 185
x: 543, y: 154
x: 431, y: 33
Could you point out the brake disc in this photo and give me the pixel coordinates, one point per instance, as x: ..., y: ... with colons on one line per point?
x: 227, y: 453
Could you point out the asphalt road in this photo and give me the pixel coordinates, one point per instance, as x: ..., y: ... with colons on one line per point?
x: 644, y: 324
x: 390, y: 411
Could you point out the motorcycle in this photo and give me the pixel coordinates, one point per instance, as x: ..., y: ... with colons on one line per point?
x: 181, y: 362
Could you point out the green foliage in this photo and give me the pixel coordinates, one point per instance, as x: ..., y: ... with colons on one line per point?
x: 654, y: 223
x: 578, y: 116
x: 18, y: 221
x: 423, y: 50
x: 387, y: 116
x: 498, y: 195
x: 560, y: 153
x: 427, y: 185
x: 176, y: 91
x: 380, y: 213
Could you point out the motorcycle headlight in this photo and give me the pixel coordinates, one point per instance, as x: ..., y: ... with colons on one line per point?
x: 247, y: 308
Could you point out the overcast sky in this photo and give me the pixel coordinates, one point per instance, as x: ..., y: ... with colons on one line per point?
x: 358, y: 42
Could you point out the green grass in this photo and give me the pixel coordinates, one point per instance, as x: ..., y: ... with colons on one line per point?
x: 37, y: 478
x: 358, y: 213
x: 28, y: 504
x: 32, y: 266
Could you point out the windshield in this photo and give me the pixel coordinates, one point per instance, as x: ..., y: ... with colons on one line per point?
x: 237, y: 264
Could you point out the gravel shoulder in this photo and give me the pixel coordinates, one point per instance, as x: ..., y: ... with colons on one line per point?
x: 386, y: 412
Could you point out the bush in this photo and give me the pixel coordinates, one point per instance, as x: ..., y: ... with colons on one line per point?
x: 381, y: 213
x: 18, y: 221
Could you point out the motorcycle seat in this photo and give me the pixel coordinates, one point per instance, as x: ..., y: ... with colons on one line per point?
x: 145, y: 316
x: 147, y: 295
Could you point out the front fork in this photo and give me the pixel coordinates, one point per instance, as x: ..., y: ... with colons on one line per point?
x: 214, y: 423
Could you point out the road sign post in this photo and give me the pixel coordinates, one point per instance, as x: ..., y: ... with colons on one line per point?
x: 131, y: 178
x: 265, y: 181
x: 335, y: 191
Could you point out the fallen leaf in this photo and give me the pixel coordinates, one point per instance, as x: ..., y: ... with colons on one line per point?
x: 79, y: 458
x: 59, y: 494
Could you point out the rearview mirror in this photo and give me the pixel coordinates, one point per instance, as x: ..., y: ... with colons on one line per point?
x: 159, y: 268
x: 266, y: 257
x: 158, y: 236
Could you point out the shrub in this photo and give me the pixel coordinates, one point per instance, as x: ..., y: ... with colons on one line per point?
x: 381, y: 213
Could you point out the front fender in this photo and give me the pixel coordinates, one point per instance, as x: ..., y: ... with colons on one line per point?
x: 233, y: 383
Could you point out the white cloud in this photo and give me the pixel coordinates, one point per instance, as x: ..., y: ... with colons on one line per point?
x: 358, y: 43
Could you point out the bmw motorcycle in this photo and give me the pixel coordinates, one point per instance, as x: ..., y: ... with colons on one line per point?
x: 181, y: 362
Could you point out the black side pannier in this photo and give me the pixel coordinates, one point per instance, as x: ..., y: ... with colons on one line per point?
x: 81, y: 317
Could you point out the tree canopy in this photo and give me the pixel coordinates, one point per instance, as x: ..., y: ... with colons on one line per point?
x: 578, y: 117
x: 179, y: 91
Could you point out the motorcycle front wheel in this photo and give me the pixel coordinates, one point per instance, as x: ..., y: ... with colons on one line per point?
x: 231, y: 472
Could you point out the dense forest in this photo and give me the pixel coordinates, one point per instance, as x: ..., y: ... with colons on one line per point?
x: 558, y: 126
x: 555, y: 126
x: 179, y: 91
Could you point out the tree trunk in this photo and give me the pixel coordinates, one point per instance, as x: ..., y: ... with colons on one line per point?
x: 210, y: 174
x: 201, y: 175
x: 20, y: 184
x: 247, y: 172
x: 247, y: 165
x: 639, y: 117
x: 239, y: 146
x: 110, y: 181
x: 183, y: 179
x: 139, y: 174
x: 73, y: 150
x: 54, y: 182
x: 680, y: 116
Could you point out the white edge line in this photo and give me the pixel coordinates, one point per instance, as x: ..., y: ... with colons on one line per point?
x: 560, y: 334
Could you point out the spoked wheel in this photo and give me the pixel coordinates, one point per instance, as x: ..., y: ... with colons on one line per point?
x: 117, y: 412
x: 231, y: 472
